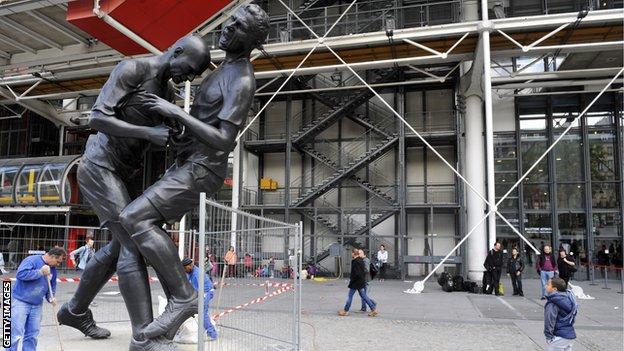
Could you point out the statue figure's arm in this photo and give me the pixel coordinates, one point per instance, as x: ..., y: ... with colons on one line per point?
x: 236, y: 102
x: 122, y: 81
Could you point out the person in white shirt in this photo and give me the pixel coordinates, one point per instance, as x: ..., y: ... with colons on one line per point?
x: 382, y: 261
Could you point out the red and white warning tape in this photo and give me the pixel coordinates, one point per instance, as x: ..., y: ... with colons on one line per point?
x: 253, y: 302
x: 155, y: 279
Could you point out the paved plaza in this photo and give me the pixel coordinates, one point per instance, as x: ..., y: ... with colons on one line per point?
x: 433, y: 320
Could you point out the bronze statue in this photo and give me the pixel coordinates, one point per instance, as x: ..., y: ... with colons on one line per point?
x: 218, y: 113
x: 125, y: 128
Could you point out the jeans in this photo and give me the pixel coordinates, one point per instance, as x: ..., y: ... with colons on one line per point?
x: 210, y: 329
x: 25, y: 323
x: 363, y: 296
x: 560, y: 344
x: 366, y: 289
x: 545, y: 277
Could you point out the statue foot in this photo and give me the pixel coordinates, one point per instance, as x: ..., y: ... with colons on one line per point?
x: 83, y: 322
x: 156, y: 344
x: 169, y: 322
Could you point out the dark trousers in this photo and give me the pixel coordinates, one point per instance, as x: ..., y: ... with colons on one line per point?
x: 516, y: 283
x: 494, y: 281
x: 382, y: 271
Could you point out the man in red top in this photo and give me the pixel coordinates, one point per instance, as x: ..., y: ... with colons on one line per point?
x: 546, y: 267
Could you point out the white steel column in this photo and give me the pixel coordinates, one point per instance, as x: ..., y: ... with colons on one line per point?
x: 489, y: 128
x: 474, y: 168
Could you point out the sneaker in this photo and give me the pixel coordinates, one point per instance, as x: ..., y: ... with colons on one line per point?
x: 373, y: 313
x: 169, y: 322
x: 157, y: 344
x: 543, y: 298
x: 363, y: 310
x: 83, y: 322
x: 343, y: 313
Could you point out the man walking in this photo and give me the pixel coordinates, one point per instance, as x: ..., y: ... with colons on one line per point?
x: 546, y: 267
x: 31, y: 287
x: 85, y: 253
x: 357, y: 282
x: 193, y: 276
x: 219, y: 112
x: 494, y: 265
x: 367, y: 263
x: 112, y: 156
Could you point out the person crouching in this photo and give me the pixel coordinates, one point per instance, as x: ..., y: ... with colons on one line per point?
x: 193, y: 275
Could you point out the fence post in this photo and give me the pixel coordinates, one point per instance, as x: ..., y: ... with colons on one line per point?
x: 592, y: 274
x: 621, y: 281
x: 300, y: 261
x: 202, y: 272
x: 605, y: 278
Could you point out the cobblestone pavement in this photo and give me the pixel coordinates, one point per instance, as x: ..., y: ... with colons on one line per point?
x: 433, y: 320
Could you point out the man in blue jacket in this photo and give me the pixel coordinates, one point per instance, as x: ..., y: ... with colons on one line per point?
x: 29, y: 290
x: 559, y: 315
x: 193, y: 275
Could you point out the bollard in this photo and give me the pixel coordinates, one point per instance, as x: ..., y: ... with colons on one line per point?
x: 621, y: 282
x: 605, y: 278
x: 592, y: 275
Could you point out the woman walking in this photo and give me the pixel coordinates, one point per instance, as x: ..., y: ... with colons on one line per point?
x: 515, y: 266
x: 382, y: 260
x: 357, y: 283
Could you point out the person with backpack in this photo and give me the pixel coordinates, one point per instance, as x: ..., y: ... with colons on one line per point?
x: 357, y: 282
x: 494, y: 266
x: 84, y: 253
x: 515, y: 266
x: 546, y: 267
x: 559, y: 316
x: 567, y: 266
x: 370, y: 275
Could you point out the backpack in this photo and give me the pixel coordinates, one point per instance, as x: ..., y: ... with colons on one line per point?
x: 443, y: 278
x: 448, y: 286
x: 373, y: 270
x: 458, y: 283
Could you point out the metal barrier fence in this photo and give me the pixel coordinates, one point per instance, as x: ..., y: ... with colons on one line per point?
x: 256, y: 262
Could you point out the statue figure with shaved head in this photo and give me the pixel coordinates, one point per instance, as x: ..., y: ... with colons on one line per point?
x: 126, y: 127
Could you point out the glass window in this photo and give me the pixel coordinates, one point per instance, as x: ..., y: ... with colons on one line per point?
x: 538, y: 228
x: 607, y: 225
x: 605, y: 195
x: 569, y: 158
x: 573, y: 234
x: 599, y: 118
x: 536, y: 196
x: 26, y: 184
x: 7, y: 181
x: 570, y: 196
x: 602, y: 152
x: 532, y: 149
x: 50, y: 183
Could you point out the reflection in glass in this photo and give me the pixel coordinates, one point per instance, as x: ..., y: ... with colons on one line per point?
x: 569, y: 158
x: 605, y: 195
x: 573, y: 234
x: 602, y: 155
x: 50, y: 183
x: 7, y: 181
x: 26, y: 184
x: 570, y: 196
x: 536, y: 196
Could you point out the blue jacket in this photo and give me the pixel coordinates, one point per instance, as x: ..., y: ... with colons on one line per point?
x: 194, y: 279
x: 85, y: 253
x: 31, y: 286
x: 559, y: 314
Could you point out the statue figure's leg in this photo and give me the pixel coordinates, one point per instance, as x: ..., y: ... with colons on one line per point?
x: 176, y: 193
x: 108, y: 195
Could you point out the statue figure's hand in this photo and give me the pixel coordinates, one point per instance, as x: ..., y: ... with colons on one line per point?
x: 159, y: 135
x: 160, y: 106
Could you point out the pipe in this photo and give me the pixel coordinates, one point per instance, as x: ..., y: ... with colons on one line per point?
x: 489, y: 125
x: 123, y: 29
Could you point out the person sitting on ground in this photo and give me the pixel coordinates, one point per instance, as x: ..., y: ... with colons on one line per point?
x: 559, y: 315
x: 30, y: 288
x: 193, y: 275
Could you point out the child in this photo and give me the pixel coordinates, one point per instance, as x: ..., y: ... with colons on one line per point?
x: 559, y: 314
